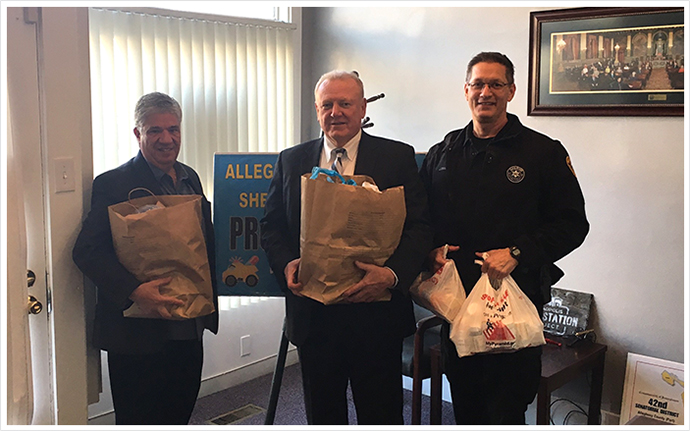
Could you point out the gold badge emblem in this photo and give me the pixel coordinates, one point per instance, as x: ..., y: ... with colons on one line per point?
x: 515, y: 174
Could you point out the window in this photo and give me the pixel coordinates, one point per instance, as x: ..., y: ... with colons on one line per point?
x: 236, y: 9
x: 233, y: 77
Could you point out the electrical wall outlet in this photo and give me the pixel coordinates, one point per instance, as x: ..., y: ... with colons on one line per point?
x: 245, y: 345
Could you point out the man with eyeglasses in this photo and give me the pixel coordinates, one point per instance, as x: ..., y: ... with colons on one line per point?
x: 506, y: 196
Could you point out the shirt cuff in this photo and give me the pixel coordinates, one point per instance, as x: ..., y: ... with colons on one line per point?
x: 394, y: 275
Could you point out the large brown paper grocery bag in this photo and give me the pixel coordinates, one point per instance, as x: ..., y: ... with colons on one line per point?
x: 165, y: 242
x: 341, y: 224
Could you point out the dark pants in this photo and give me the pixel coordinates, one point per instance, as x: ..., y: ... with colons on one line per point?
x: 158, y: 388
x: 362, y: 351
x: 491, y: 389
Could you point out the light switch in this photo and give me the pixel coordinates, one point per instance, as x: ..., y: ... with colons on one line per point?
x: 64, y: 174
x: 245, y: 345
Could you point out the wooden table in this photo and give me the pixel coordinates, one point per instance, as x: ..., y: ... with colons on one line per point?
x: 560, y: 364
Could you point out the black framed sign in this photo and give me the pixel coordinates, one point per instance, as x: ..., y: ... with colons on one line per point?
x: 567, y: 312
x: 607, y: 61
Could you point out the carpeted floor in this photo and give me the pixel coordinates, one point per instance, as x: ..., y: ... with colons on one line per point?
x: 243, y: 400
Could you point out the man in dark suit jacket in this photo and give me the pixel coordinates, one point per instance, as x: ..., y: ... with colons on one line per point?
x: 360, y: 341
x: 154, y: 364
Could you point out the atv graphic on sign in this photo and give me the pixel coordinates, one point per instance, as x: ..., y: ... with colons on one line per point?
x: 239, y: 271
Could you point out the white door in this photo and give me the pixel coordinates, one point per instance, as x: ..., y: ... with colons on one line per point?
x: 23, y: 91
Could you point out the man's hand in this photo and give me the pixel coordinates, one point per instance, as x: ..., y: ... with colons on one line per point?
x: 498, y: 264
x: 372, y: 287
x: 148, y: 297
x: 436, y: 257
x: 291, y: 270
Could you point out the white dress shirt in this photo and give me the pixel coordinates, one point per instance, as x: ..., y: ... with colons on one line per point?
x: 348, y: 160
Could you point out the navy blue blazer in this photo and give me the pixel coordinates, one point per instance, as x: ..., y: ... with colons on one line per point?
x: 95, y: 256
x: 390, y: 164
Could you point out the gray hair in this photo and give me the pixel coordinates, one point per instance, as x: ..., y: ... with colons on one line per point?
x: 340, y: 74
x: 155, y: 103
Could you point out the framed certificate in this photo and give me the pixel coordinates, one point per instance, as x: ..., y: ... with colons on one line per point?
x: 653, y: 390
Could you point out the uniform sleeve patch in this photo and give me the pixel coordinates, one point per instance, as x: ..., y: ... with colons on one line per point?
x: 570, y: 165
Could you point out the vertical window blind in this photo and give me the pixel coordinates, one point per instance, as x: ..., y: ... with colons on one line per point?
x: 233, y: 79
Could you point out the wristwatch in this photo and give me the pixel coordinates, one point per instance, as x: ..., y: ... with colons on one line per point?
x: 515, y: 253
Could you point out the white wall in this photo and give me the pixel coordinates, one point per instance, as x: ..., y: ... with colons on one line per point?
x: 631, y: 169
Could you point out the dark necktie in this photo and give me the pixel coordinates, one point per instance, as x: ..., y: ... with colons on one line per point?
x: 338, y: 161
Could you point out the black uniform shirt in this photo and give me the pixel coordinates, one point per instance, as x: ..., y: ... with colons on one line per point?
x: 519, y: 190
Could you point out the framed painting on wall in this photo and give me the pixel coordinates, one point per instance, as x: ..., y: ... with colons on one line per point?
x: 607, y: 61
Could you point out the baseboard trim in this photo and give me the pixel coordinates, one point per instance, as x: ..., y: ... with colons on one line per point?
x: 610, y: 418
x: 105, y: 419
x: 242, y: 374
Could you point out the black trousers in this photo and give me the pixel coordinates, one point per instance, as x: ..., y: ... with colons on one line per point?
x: 362, y: 351
x: 157, y: 388
x: 491, y: 389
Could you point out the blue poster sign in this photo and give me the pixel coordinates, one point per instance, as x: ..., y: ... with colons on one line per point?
x: 240, y: 182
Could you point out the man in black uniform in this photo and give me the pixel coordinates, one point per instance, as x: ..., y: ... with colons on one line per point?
x: 507, y: 195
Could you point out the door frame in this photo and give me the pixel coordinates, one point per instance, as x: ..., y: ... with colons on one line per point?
x: 24, y: 101
x: 62, y: 70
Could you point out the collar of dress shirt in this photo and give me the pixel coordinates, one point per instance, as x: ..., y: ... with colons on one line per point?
x: 158, y: 173
x: 351, y: 147
x: 182, y: 186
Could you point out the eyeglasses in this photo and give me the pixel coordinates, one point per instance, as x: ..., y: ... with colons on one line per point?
x: 494, y: 85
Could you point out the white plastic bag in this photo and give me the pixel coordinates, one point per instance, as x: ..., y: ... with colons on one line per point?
x: 496, y: 320
x: 441, y: 292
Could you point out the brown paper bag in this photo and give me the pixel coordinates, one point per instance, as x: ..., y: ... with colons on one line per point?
x: 165, y: 242
x: 341, y: 224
